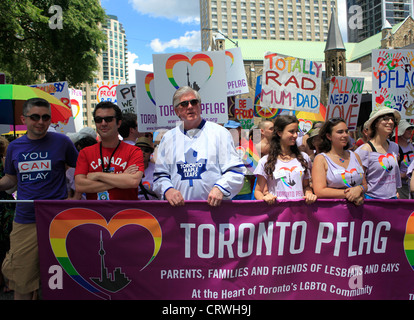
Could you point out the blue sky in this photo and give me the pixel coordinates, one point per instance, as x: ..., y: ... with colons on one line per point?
x: 164, y: 26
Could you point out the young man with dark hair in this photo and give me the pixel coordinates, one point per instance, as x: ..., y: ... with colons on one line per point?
x: 111, y: 169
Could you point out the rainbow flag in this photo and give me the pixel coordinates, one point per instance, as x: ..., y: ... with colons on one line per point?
x: 251, y: 156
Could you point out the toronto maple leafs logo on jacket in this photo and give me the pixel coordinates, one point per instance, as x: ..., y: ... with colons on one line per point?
x: 192, y: 168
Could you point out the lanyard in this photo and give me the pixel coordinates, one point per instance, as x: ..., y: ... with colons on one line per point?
x: 110, y: 158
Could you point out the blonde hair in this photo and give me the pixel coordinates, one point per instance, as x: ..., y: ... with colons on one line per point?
x: 4, y: 143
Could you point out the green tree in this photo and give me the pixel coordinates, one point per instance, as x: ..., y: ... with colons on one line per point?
x: 30, y: 46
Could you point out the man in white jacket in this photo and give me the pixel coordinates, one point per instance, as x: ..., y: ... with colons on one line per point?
x: 196, y: 160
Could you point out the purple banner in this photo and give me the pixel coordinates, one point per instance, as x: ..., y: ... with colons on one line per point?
x: 241, y: 250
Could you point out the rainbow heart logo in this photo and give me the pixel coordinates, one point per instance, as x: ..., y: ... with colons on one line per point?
x: 408, y: 159
x: 305, y: 125
x: 75, y: 104
x: 148, y: 79
x: 173, y: 60
x: 387, y: 156
x: 409, y: 240
x: 343, y: 175
x: 67, y: 220
x: 231, y: 56
x: 290, y: 183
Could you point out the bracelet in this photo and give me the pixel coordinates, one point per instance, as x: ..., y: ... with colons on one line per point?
x: 363, y: 189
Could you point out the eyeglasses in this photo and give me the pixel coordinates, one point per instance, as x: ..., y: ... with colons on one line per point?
x: 36, y: 117
x: 388, y: 118
x: 107, y: 119
x: 184, y: 104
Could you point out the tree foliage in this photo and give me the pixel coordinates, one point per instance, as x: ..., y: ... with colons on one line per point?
x: 29, y: 47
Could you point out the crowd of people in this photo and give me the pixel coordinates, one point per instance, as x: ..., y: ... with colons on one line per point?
x: 197, y: 160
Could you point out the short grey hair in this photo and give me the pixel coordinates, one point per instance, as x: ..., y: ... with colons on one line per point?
x: 182, y: 91
x: 35, y: 102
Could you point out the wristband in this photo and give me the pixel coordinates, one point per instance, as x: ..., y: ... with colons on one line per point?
x: 363, y: 189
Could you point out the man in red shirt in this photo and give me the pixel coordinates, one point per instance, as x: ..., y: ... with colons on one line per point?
x: 111, y: 169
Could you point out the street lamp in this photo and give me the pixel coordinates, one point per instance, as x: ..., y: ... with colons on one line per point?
x: 225, y: 36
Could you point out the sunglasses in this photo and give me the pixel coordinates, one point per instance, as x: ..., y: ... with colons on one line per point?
x: 388, y: 118
x: 36, y: 117
x: 146, y: 150
x: 184, y: 104
x: 107, y: 119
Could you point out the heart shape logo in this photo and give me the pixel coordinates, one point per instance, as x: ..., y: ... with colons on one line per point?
x: 408, y: 159
x: 409, y: 240
x: 148, y: 79
x: 305, y: 125
x: 173, y: 60
x: 75, y: 104
x: 388, y: 156
x: 230, y: 55
x: 379, y: 99
x: 67, y: 220
x: 289, y: 183
x: 106, y: 93
x: 350, y: 172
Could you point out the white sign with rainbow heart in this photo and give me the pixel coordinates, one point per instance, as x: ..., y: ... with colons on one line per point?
x: 145, y: 101
x: 203, y: 71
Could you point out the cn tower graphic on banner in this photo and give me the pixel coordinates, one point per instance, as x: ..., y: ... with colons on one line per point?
x: 110, y: 282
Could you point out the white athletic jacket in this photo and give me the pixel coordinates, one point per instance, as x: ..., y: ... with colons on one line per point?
x: 195, y: 161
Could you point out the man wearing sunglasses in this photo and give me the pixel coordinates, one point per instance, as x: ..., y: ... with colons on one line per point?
x: 111, y: 169
x: 196, y: 160
x: 36, y: 163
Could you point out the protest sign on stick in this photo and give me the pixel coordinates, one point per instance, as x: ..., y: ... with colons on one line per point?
x: 244, y: 112
x: 145, y: 100
x: 77, y: 107
x: 107, y: 90
x: 236, y: 75
x: 126, y: 98
x: 290, y: 83
x: 345, y: 99
x: 203, y: 71
x: 393, y: 80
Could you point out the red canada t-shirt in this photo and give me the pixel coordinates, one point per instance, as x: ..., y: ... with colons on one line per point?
x: 89, y: 160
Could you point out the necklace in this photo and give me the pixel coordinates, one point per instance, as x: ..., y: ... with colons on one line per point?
x: 342, y: 160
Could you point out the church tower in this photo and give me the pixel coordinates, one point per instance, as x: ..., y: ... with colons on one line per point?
x: 335, y: 52
x: 335, y: 57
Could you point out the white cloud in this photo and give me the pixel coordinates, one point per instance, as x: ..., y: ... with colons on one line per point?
x: 190, y: 41
x: 133, y: 64
x: 186, y: 11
